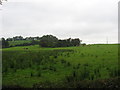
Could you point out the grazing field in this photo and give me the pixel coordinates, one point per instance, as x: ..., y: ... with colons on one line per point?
x: 73, y: 67
x: 18, y: 42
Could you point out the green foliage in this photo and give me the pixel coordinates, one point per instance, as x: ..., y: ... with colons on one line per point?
x: 44, y: 41
x: 52, y: 41
x: 48, y: 41
x: 17, y: 38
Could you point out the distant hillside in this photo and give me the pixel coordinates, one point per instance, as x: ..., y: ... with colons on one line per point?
x: 19, y: 42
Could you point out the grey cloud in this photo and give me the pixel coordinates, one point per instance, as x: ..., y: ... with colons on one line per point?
x: 90, y: 20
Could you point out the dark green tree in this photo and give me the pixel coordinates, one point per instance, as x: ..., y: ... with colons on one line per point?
x: 5, y: 43
x: 17, y: 38
x: 9, y: 39
x: 48, y: 41
x: 75, y: 42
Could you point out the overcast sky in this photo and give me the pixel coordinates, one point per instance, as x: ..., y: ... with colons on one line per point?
x: 90, y: 20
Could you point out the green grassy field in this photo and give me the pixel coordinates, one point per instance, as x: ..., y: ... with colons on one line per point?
x: 18, y: 42
x: 58, y: 67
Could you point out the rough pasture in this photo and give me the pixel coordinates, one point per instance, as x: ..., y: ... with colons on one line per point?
x: 60, y: 67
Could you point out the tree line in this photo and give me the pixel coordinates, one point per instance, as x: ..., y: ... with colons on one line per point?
x: 52, y: 41
x: 44, y: 41
x: 16, y: 38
